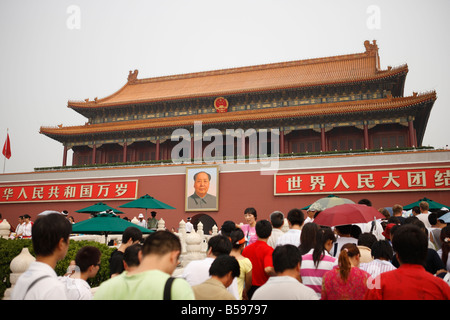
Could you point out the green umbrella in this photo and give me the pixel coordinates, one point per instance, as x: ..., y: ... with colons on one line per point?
x: 433, y: 204
x: 105, y: 223
x: 98, y: 207
x: 146, y: 202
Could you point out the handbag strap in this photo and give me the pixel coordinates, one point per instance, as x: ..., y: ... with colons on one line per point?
x: 33, y: 283
x: 168, y: 288
x: 335, y: 249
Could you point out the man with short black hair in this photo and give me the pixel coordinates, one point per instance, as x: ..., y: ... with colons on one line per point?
x: 260, y: 255
x: 286, y: 284
x: 197, y: 271
x: 50, y: 237
x: 410, y: 281
x: 277, y: 221
x: 151, y: 280
x: 130, y: 236
x: 295, y: 218
x: 223, y: 271
x: 343, y: 236
x: 152, y: 222
x: 88, y: 262
x: 131, y: 257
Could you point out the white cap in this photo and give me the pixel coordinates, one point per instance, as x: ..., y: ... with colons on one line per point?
x: 140, y: 215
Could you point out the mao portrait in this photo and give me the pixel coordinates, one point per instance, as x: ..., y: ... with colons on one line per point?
x: 202, y: 189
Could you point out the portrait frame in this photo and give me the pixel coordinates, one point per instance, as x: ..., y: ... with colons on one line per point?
x: 210, y: 202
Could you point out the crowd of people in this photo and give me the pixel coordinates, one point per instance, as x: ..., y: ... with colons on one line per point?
x: 399, y: 258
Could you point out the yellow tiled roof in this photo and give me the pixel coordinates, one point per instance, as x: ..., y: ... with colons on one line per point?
x: 295, y: 74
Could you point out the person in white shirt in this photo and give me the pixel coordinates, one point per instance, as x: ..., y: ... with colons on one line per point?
x: 197, y: 271
x: 312, y: 212
x: 343, y: 237
x: 87, y: 261
x: 295, y: 219
x: 189, y: 226
x: 26, y: 227
x: 19, y: 228
x: 424, y: 213
x: 277, y: 221
x: 142, y: 222
x: 382, y: 254
x: 50, y: 243
x: 286, y: 284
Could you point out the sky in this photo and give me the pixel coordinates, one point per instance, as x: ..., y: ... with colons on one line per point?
x: 55, y: 51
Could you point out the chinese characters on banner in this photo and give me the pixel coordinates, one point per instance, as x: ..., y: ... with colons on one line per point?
x: 362, y: 181
x: 109, y: 190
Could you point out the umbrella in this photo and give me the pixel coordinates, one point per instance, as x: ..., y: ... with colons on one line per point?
x: 146, y: 202
x: 47, y: 212
x: 433, y: 204
x: 328, y: 202
x: 98, y: 207
x: 105, y: 223
x: 348, y: 213
x: 445, y: 217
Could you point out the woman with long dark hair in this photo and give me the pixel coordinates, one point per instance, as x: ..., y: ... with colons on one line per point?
x: 244, y: 280
x: 318, y: 260
x: 445, y: 247
x: 308, y: 237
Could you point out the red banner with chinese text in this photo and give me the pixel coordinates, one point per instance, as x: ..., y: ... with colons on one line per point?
x: 389, y: 180
x: 83, y: 191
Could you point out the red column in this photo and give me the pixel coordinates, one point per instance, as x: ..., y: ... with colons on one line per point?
x: 366, y: 136
x: 281, y: 141
x: 412, y: 138
x: 415, y: 138
x: 157, y: 149
x: 125, y: 147
x: 164, y: 154
x: 323, y: 139
x: 94, y: 154
x: 65, y: 156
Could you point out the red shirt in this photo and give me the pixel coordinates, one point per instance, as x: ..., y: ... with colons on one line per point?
x: 260, y: 254
x: 408, y: 282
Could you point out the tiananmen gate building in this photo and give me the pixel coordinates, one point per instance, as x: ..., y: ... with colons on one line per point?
x: 273, y: 137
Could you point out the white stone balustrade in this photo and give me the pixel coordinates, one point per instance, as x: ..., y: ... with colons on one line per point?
x: 4, y: 229
x: 18, y: 266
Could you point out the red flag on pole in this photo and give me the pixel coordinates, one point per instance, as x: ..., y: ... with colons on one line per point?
x: 7, y: 147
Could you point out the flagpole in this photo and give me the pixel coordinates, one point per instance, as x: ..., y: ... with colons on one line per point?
x: 4, y: 156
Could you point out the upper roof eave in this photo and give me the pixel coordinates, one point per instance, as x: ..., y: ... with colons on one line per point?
x: 325, y: 109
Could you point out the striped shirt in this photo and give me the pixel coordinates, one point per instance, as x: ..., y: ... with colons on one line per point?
x: 312, y: 276
x: 376, y: 267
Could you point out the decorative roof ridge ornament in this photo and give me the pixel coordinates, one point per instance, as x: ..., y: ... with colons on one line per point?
x: 132, y: 76
x: 371, y: 47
